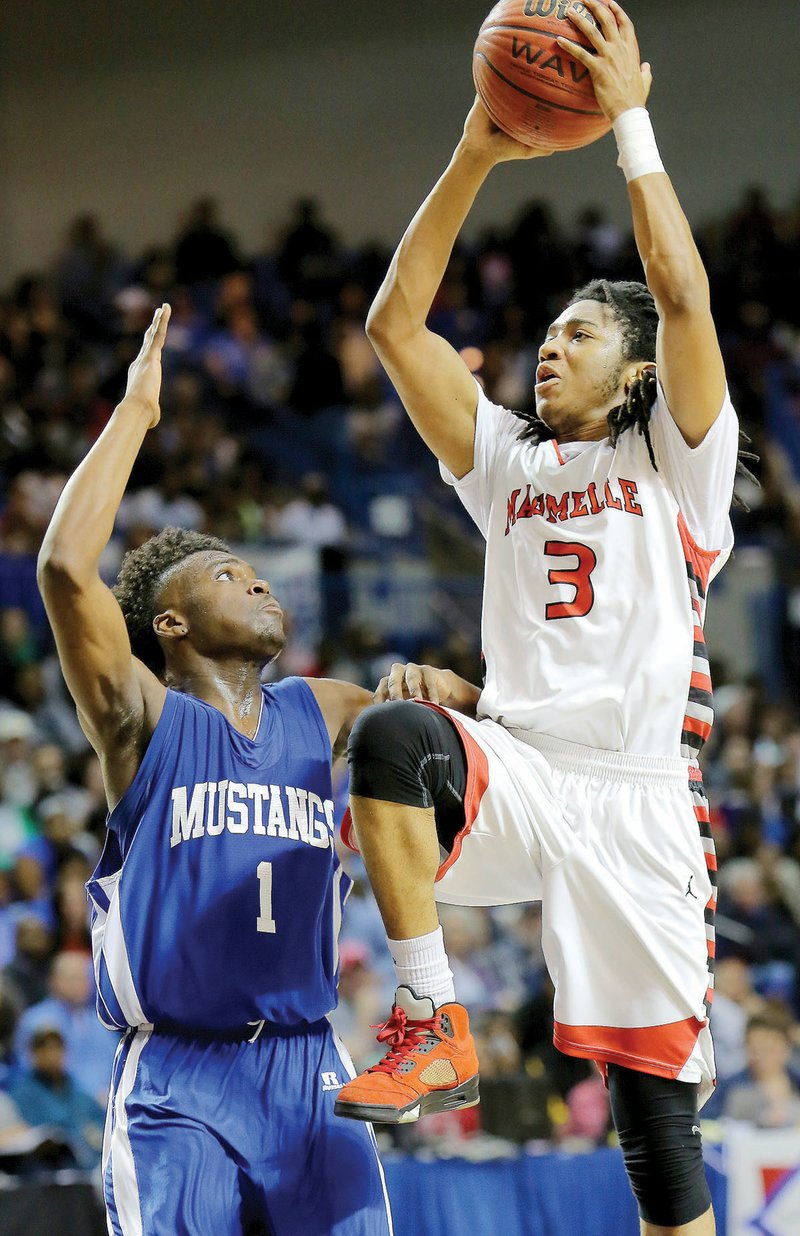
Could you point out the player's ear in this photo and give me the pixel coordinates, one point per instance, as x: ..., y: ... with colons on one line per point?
x: 170, y: 625
x: 637, y: 370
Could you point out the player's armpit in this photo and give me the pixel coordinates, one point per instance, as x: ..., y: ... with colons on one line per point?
x: 437, y: 389
x: 118, y: 699
x: 691, y: 370
x: 340, y: 703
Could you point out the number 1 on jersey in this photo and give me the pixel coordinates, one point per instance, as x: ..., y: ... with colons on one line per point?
x: 265, y: 921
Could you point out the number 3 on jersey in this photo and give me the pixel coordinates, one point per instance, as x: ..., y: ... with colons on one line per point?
x: 579, y: 577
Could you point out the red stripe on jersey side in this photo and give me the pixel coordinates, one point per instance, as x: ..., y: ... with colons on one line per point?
x: 701, y: 813
x: 701, y: 560
x: 693, y: 726
x: 477, y: 784
x: 698, y: 569
x: 661, y: 1050
x: 559, y: 456
x: 347, y: 832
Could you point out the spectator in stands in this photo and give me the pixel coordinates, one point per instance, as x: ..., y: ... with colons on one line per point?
x: 31, y: 886
x: 73, y: 933
x: 589, y: 1112
x: 18, y: 645
x: 164, y: 504
x: 203, y: 249
x: 307, y: 258
x: 46, y: 1094
x: 49, y: 766
x: 467, y: 933
x: 89, y: 272
x: 317, y: 383
x: 26, y: 977
x: 750, y: 915
x: 767, y: 1094
x: 311, y: 518
x: 70, y: 1009
x: 17, y: 780
x: 735, y: 1002
x: 361, y: 991
x: 26, y: 1151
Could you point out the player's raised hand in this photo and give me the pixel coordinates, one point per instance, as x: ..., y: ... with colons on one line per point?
x: 414, y: 682
x: 482, y: 135
x: 619, y: 78
x: 144, y: 374
x: 407, y: 681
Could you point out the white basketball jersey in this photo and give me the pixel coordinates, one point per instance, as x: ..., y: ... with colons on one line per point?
x: 597, y: 568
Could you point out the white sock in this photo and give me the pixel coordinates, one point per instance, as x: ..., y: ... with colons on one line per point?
x: 422, y: 965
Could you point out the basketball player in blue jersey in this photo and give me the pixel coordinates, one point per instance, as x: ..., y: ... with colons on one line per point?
x: 217, y: 900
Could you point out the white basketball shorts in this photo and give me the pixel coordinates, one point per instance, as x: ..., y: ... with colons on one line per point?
x: 618, y: 849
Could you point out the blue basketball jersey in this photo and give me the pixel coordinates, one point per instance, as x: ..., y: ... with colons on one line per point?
x: 218, y: 897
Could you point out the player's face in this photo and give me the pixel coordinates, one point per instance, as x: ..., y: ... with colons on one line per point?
x: 580, y: 376
x: 229, y: 611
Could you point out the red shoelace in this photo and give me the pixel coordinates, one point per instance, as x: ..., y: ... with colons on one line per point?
x: 402, y: 1036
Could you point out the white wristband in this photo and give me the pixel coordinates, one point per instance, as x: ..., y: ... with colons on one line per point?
x: 636, y: 142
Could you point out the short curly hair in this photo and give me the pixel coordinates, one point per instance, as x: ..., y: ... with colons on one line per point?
x: 139, y: 581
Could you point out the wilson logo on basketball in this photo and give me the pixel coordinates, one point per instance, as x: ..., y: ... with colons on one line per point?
x: 557, y: 8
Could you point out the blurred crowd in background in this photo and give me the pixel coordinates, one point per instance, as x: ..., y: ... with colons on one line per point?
x: 280, y: 429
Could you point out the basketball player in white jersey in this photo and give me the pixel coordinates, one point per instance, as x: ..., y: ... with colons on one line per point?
x: 605, y: 516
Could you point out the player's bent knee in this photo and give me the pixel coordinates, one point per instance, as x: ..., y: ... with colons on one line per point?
x: 659, y: 1134
x: 403, y: 752
x: 380, y: 726
x: 381, y: 754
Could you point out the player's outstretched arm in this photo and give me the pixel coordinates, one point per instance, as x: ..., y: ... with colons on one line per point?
x: 118, y: 699
x: 433, y: 382
x: 689, y: 361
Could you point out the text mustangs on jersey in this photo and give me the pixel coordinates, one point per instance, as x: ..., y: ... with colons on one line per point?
x: 269, y: 810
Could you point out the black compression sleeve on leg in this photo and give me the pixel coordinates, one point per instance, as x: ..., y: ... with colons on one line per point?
x: 659, y: 1133
x: 403, y: 752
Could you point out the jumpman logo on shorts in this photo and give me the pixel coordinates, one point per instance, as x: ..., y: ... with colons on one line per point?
x: 689, y: 892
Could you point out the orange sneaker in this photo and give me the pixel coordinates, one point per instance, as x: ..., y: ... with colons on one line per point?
x: 431, y: 1065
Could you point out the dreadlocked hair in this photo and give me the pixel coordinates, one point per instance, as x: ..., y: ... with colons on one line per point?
x: 634, y: 308
x: 139, y: 582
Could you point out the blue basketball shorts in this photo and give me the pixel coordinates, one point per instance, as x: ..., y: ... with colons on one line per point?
x: 236, y: 1138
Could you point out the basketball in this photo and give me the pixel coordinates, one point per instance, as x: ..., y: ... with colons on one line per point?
x: 532, y: 89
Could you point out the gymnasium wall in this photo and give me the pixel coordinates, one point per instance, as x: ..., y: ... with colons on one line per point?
x: 133, y: 110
